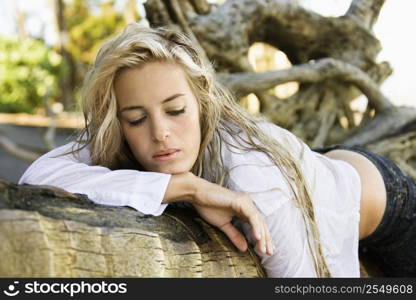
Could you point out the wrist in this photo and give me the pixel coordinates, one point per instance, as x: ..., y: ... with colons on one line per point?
x: 181, y: 187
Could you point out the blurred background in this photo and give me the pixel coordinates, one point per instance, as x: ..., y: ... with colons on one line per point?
x: 46, y: 47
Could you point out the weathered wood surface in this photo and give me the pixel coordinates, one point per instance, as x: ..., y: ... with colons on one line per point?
x: 47, y: 232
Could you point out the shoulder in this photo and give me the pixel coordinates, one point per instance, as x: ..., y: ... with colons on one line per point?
x: 236, y: 144
x: 253, y: 171
x: 291, y: 142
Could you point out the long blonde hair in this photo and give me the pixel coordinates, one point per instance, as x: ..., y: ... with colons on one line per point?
x: 219, y: 113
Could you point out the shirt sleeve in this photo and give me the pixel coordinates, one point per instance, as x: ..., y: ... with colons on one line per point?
x: 142, y: 191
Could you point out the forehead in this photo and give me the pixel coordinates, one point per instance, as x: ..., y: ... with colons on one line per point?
x: 153, y: 81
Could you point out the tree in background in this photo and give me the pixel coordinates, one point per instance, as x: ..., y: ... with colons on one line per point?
x: 33, y: 73
x: 29, y: 72
x: 67, y: 80
x: 82, y: 27
x: 87, y: 30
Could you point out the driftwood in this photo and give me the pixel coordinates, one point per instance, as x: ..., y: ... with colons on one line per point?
x: 333, y: 60
x: 47, y: 232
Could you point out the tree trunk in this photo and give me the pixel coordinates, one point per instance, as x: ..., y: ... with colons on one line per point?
x: 47, y: 232
x: 67, y: 79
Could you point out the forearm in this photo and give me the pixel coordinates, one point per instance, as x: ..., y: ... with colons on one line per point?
x: 143, y: 191
x: 182, y: 187
x: 186, y: 187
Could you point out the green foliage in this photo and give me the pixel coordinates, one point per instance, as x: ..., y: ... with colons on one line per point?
x: 29, y: 72
x: 89, y: 24
x: 87, y: 30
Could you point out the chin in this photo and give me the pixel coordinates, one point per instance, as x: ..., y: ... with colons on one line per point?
x: 176, y: 171
x: 172, y: 170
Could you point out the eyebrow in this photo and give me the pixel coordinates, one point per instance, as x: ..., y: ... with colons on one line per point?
x: 170, y: 98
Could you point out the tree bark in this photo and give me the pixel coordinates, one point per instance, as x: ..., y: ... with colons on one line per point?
x: 47, y: 232
x: 67, y: 80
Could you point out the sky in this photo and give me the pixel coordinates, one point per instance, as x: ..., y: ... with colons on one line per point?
x: 393, y: 29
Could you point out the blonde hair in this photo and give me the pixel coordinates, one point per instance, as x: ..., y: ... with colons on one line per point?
x: 219, y: 113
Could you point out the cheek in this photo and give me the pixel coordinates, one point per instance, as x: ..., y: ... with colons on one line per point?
x: 194, y: 132
x: 135, y: 140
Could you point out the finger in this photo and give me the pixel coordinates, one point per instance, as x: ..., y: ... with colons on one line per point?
x: 235, y: 236
x: 248, y: 211
x: 256, y: 224
x: 257, y: 230
x: 262, y: 241
x: 269, y: 242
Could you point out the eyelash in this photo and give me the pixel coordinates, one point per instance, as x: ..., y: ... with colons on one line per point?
x: 173, y: 113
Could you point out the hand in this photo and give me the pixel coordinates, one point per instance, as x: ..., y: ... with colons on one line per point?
x: 221, y: 218
x: 217, y: 205
x: 245, y: 209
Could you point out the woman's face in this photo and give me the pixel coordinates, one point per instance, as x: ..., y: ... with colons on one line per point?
x: 159, y: 116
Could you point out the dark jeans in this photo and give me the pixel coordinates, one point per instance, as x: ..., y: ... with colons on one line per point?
x: 393, y: 244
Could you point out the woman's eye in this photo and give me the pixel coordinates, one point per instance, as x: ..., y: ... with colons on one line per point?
x: 137, y: 122
x: 141, y: 120
x: 176, y: 112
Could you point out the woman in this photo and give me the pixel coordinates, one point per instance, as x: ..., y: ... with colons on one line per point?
x: 151, y: 104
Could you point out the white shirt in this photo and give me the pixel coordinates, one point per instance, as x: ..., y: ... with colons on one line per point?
x: 335, y: 190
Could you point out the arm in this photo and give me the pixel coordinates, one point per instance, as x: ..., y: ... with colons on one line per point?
x: 147, y: 192
x: 142, y: 191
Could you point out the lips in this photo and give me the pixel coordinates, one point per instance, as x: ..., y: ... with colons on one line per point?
x: 165, y: 155
x: 165, y: 152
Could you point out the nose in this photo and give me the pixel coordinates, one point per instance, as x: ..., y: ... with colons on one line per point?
x: 160, y: 132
